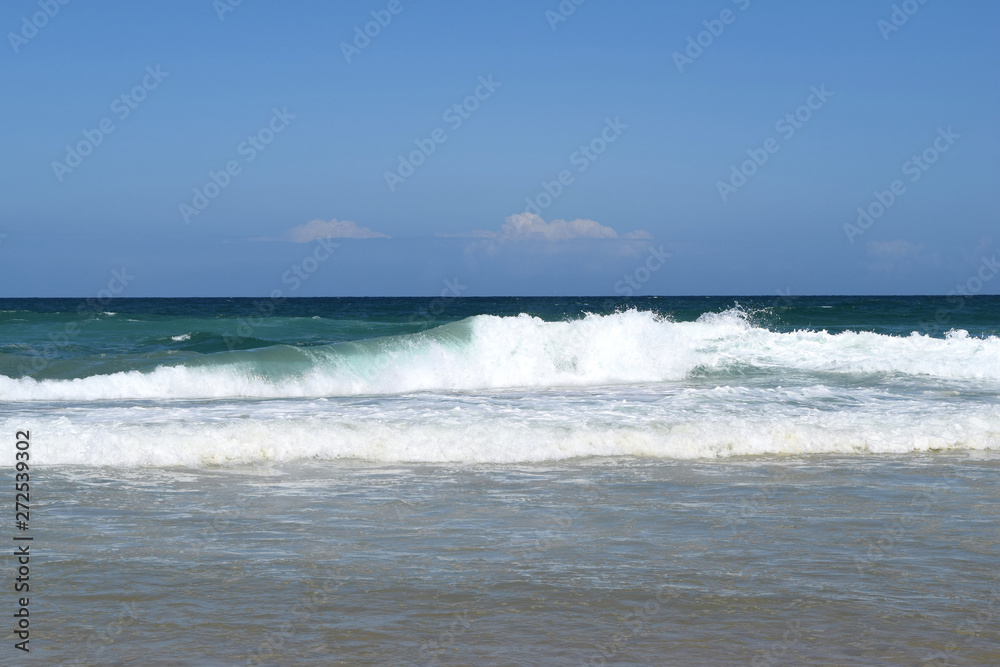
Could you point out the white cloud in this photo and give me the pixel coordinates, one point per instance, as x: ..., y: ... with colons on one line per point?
x: 530, y: 226
x: 517, y: 227
x: 523, y: 226
x: 334, y: 229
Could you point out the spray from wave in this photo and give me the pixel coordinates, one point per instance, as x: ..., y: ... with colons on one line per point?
x: 487, y: 352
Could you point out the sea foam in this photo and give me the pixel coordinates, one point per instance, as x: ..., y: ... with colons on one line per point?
x: 710, y: 423
x: 488, y: 352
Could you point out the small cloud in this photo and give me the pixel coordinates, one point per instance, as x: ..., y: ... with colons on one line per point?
x: 523, y: 226
x: 334, y: 229
x: 531, y: 227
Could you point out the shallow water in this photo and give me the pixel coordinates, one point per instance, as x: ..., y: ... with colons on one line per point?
x: 887, y: 560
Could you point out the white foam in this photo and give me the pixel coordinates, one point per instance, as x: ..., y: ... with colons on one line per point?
x: 488, y: 352
x: 711, y: 423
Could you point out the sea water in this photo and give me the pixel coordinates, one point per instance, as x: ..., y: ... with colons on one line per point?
x: 509, y: 480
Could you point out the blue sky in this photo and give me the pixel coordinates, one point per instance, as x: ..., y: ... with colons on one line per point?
x: 645, y: 141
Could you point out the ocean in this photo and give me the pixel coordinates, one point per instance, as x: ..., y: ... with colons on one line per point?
x: 509, y: 481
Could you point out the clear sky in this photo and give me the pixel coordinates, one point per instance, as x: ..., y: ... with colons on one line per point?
x: 200, y: 148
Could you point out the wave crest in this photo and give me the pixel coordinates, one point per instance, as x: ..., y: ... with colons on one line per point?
x: 490, y: 352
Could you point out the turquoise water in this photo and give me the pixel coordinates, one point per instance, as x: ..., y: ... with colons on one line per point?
x: 510, y: 481
x: 139, y: 333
